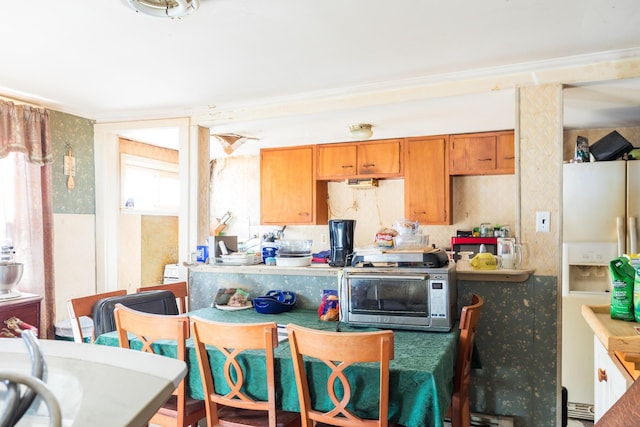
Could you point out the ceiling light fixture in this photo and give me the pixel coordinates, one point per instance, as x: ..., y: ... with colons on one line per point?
x: 164, y: 8
x: 361, y: 131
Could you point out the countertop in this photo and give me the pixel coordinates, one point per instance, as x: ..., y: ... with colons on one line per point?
x: 615, y: 335
x: 618, y: 337
x: 312, y: 270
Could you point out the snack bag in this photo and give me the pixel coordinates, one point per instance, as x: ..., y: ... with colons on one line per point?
x: 384, y: 237
x: 622, y: 293
x: 329, y: 309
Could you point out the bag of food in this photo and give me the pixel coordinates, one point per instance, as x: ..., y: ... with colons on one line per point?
x: 622, y: 289
x: 329, y: 309
x: 384, y: 237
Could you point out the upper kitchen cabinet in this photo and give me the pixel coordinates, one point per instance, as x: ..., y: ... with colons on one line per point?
x: 289, y: 192
x: 372, y: 159
x: 427, y: 184
x: 487, y: 153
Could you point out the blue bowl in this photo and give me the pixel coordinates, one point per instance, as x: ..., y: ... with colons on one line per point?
x: 275, y: 302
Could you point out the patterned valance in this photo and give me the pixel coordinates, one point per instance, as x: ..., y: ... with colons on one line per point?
x: 25, y: 129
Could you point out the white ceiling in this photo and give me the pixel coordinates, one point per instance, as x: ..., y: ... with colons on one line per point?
x: 297, y: 72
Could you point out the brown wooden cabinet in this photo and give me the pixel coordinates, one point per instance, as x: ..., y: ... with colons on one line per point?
x: 427, y: 184
x: 487, y: 153
x: 19, y: 313
x: 289, y: 191
x: 372, y: 159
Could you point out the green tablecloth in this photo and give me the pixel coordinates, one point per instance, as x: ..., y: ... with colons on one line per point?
x: 421, y: 377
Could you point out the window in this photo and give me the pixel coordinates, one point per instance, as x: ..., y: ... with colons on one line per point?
x: 7, y: 196
x: 149, y: 186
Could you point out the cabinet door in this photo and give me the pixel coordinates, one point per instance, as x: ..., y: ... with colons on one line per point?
x: 289, y: 193
x: 505, y: 153
x: 427, y: 184
x: 473, y: 154
x: 381, y: 159
x: 336, y: 161
x: 611, y: 379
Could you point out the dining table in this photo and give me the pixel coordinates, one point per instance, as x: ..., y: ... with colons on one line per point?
x: 420, y: 377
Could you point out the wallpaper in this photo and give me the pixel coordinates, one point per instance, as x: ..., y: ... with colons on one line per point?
x: 76, y: 133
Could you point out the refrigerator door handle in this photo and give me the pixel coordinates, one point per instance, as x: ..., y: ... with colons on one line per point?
x: 622, y: 238
x: 633, y: 235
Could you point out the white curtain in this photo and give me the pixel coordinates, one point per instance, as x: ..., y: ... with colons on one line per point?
x: 25, y: 195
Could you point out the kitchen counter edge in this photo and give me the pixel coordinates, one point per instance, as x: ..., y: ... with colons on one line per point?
x: 321, y: 271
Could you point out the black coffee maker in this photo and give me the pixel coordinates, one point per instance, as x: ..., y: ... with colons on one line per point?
x: 341, y: 240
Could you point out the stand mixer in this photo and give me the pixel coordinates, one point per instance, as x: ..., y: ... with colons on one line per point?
x: 10, y: 273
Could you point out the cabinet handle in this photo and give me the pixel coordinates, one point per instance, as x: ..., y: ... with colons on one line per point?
x: 485, y: 160
x: 368, y: 165
x: 347, y: 166
x: 602, y: 375
x: 509, y: 158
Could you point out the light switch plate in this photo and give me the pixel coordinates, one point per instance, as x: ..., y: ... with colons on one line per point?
x: 542, y: 221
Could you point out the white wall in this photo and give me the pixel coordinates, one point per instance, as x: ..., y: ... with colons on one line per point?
x: 74, y: 258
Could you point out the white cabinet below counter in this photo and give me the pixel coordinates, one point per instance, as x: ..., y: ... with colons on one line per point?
x: 611, y: 379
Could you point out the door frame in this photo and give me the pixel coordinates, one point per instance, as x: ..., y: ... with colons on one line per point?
x: 107, y: 182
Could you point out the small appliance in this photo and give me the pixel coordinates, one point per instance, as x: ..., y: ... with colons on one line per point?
x: 340, y: 240
x: 413, y: 290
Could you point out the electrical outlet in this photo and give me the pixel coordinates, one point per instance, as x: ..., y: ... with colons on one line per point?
x: 542, y: 221
x: 323, y: 238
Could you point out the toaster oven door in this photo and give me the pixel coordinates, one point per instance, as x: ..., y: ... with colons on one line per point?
x: 387, y: 300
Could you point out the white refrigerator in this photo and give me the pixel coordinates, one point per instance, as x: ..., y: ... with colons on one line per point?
x: 601, y: 206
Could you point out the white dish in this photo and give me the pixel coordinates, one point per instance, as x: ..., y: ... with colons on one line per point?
x: 240, y: 259
x: 231, y: 308
x: 293, y: 261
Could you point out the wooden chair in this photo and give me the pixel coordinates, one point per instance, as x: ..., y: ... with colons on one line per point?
x: 82, y: 306
x: 469, y: 317
x: 179, y: 289
x: 180, y: 410
x: 340, y: 350
x: 237, y: 407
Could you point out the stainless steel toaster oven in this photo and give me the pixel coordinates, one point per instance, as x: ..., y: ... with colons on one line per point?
x: 399, y: 298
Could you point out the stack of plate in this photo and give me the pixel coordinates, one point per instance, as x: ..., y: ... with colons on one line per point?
x: 293, y: 253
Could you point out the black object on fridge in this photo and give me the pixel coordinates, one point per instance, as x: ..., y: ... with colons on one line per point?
x: 341, y: 240
x: 610, y: 147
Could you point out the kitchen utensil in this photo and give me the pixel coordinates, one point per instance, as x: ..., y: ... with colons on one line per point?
x: 510, y: 252
x: 10, y: 275
x: 275, y: 302
x: 293, y: 261
x: 294, y: 247
x: 411, y: 241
